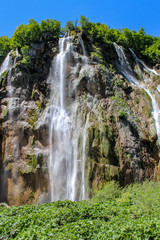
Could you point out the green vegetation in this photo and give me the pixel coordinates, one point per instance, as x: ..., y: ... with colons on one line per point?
x: 25, y: 53
x: 32, y: 161
x: 99, y: 35
x: 114, y: 213
x: 145, y: 46
x: 4, y: 46
x: 3, y: 78
x: 69, y: 26
x: 31, y: 33
x: 122, y: 114
x: 33, y: 117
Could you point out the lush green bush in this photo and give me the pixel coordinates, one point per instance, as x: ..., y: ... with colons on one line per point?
x: 31, y: 33
x: 26, y: 34
x: 50, y: 26
x: 131, y: 213
x: 122, y: 114
x: 111, y: 191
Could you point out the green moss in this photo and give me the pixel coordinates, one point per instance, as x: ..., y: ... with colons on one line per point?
x: 105, y: 147
x: 5, y: 111
x: 33, y: 91
x: 147, y: 108
x: 33, y: 117
x: 31, y: 164
x: 26, y: 58
x: 122, y: 114
x: 112, y: 119
x: 127, y: 157
x: 33, y: 141
x: 40, y: 105
x: 32, y: 160
x: 137, y: 100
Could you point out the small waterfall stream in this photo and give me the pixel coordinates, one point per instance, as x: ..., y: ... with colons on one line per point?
x: 83, y: 167
x: 64, y: 163
x: 6, y: 64
x: 125, y: 70
x: 143, y: 64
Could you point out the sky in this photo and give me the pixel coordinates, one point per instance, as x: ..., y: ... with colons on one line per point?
x: 132, y: 14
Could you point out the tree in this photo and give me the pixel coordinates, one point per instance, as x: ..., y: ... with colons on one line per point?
x: 69, y: 26
x: 5, y: 46
x: 84, y: 22
x: 50, y: 25
x: 26, y: 34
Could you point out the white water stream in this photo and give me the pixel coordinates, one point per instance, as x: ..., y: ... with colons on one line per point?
x: 126, y: 71
x: 6, y: 64
x: 64, y: 159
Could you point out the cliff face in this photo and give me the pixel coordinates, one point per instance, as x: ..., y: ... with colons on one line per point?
x: 110, y: 117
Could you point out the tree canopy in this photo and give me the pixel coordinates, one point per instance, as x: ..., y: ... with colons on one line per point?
x: 145, y: 46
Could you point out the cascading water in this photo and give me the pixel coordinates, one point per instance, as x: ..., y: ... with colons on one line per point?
x: 124, y: 64
x: 143, y: 64
x: 6, y: 64
x: 125, y: 70
x: 64, y: 162
x: 84, y: 191
x: 85, y: 58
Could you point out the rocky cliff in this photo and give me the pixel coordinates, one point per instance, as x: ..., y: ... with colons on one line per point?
x: 111, y: 118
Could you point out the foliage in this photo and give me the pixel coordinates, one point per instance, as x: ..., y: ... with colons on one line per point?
x: 32, y: 161
x: 69, y: 26
x: 33, y: 117
x: 144, y: 45
x: 4, y: 46
x: 153, y: 51
x: 25, y: 53
x: 111, y: 191
x: 131, y: 213
x: 26, y: 34
x: 31, y: 33
x: 50, y: 28
x: 122, y: 114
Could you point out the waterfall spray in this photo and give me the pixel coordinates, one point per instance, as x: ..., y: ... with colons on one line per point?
x: 64, y: 134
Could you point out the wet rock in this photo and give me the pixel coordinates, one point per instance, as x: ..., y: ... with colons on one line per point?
x: 121, y: 139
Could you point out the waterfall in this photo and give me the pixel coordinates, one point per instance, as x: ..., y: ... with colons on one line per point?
x: 84, y: 192
x: 6, y: 64
x: 10, y: 90
x: 64, y: 162
x: 85, y: 58
x: 125, y: 70
x: 143, y: 64
x: 124, y: 65
x: 155, y: 113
